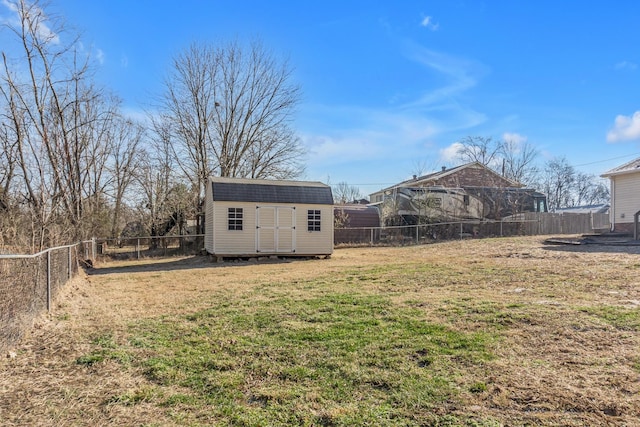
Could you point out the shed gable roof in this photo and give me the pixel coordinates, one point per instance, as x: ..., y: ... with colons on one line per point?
x: 270, y: 191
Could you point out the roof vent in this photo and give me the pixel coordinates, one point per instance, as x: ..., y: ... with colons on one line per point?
x: 444, y: 168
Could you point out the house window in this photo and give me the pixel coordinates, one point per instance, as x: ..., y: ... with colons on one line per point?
x: 313, y: 220
x: 235, y: 218
x: 466, y: 199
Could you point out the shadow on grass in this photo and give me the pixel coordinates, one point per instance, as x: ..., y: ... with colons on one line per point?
x: 578, y: 246
x: 189, y: 263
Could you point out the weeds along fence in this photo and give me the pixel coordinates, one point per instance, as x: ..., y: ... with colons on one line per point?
x: 28, y: 284
x: 526, y: 224
x: 147, y: 247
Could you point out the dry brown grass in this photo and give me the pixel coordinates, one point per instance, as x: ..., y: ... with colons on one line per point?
x: 554, y: 365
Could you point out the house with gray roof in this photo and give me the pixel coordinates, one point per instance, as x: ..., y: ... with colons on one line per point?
x: 625, y: 197
x: 256, y: 217
x: 469, y: 191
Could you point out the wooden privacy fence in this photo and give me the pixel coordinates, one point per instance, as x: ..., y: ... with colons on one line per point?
x: 526, y: 224
x: 28, y: 284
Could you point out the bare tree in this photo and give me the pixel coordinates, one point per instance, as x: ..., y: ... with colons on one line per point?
x: 187, y: 110
x: 344, y: 193
x: 164, y: 200
x: 53, y: 112
x: 69, y: 153
x: 589, y: 190
x: 558, y: 182
x: 8, y: 161
x: 483, y: 150
x: 519, y: 161
x: 228, y: 112
x: 125, y: 159
x: 566, y: 187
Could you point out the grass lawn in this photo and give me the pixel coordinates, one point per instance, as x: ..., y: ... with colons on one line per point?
x: 468, y: 333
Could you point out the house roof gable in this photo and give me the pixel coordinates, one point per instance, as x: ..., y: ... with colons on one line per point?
x: 270, y: 191
x: 435, y: 176
x: 630, y: 167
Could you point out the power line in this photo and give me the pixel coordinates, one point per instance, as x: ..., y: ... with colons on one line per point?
x: 608, y: 160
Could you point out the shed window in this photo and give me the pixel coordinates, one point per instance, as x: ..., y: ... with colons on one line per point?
x: 235, y: 218
x: 313, y: 220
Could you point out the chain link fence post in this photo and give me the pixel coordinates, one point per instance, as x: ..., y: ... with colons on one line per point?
x: 49, y: 280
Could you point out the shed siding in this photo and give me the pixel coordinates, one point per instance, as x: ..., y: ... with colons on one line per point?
x: 208, y: 221
x: 626, y: 197
x: 243, y: 242
x: 234, y: 242
x: 314, y: 242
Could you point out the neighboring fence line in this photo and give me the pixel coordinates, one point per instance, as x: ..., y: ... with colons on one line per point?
x: 28, y: 284
x: 143, y: 247
x: 526, y: 224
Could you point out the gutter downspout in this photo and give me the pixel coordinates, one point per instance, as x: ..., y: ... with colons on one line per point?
x: 612, y: 209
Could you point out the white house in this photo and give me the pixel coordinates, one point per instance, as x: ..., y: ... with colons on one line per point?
x: 255, y: 217
x: 625, y: 197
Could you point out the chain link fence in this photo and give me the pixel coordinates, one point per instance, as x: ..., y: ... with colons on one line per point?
x: 529, y: 224
x: 28, y: 284
x: 148, y: 247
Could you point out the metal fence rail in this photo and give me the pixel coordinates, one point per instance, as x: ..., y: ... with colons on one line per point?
x: 28, y: 284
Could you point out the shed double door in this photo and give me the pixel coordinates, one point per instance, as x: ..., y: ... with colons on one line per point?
x: 275, y: 229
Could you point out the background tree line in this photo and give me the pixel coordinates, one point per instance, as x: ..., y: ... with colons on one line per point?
x: 73, y: 166
x: 519, y: 161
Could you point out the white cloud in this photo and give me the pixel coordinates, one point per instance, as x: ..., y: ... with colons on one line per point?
x: 333, y: 150
x: 427, y: 22
x: 626, y: 65
x: 39, y: 18
x: 461, y: 74
x: 369, y: 134
x: 450, y: 153
x: 124, y: 61
x: 625, y: 128
x: 515, y: 138
x: 100, y: 56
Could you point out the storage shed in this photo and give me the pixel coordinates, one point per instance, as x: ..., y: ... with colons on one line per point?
x: 255, y: 217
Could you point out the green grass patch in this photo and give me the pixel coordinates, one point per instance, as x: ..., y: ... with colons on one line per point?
x: 619, y: 317
x: 106, y: 349
x: 143, y: 394
x: 331, y: 359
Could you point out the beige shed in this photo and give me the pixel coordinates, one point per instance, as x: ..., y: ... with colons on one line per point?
x: 255, y: 217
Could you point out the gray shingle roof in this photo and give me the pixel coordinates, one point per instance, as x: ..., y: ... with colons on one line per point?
x: 265, y: 191
x: 630, y: 167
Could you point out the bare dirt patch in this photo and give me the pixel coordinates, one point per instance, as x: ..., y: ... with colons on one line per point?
x: 566, y: 317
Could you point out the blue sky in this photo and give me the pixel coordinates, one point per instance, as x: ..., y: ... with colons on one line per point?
x: 389, y: 87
